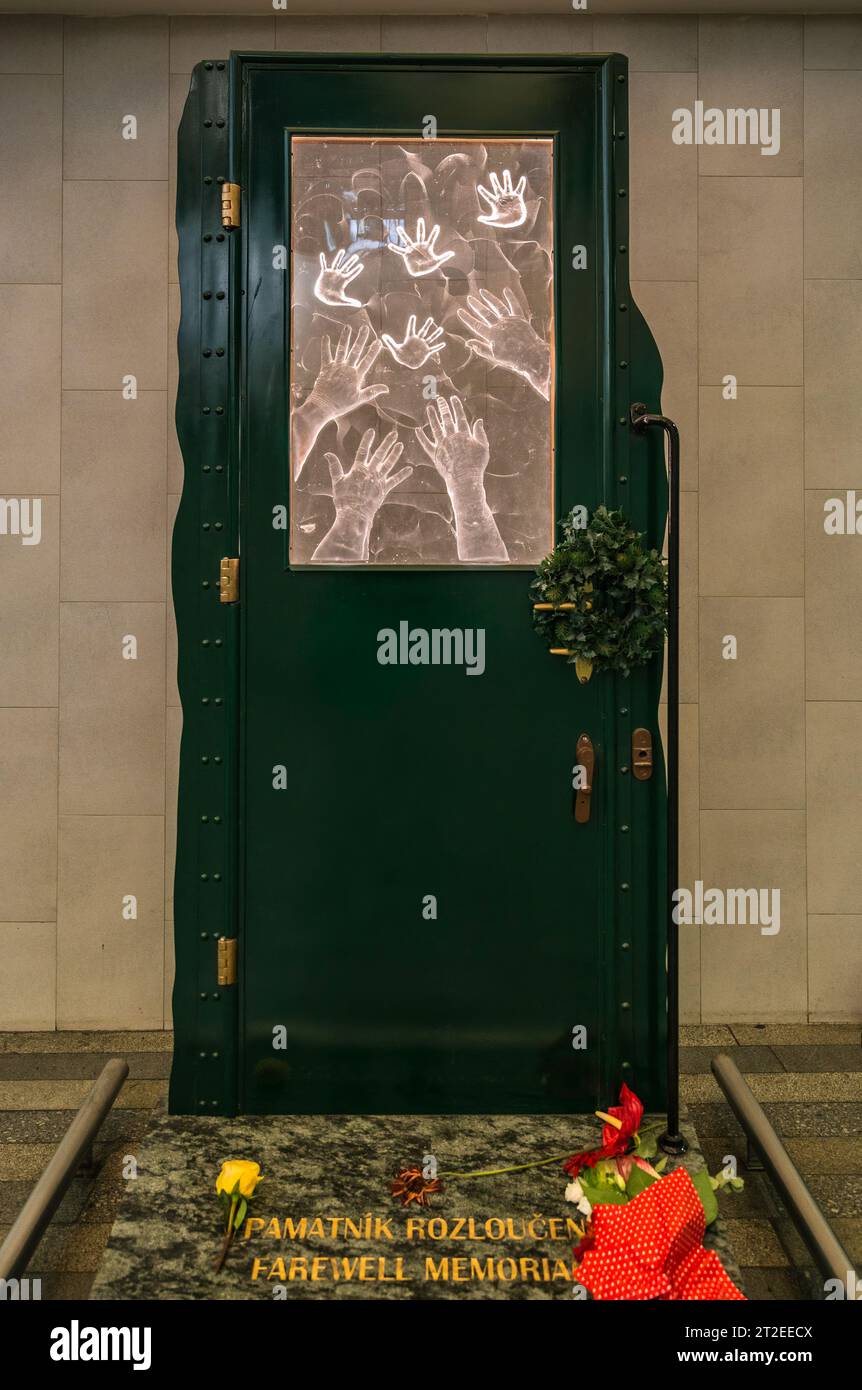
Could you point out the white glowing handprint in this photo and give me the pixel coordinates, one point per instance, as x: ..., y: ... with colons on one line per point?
x: 419, y: 255
x: 507, y: 206
x: 333, y: 280
x: 416, y: 347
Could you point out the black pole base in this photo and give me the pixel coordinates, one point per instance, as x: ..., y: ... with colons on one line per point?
x: 673, y: 1144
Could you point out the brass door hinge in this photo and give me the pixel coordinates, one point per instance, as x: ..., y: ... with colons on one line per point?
x: 227, y: 960
x: 229, y: 580
x: 230, y: 204
x: 642, y: 755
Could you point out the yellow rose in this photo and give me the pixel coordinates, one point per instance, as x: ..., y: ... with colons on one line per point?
x: 238, y: 1170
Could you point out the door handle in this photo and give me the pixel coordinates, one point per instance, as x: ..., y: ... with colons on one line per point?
x: 586, y: 756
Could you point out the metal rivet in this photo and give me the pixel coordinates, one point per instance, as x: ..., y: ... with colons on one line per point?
x: 205, y: 936
x: 625, y: 887
x: 623, y: 478
x: 207, y: 123
x: 208, y: 352
x: 625, y: 1004
x: 204, y: 759
x: 207, y: 410
x: 220, y: 125
x: 214, y: 1056
x: 217, y: 758
x: 626, y: 1066
x: 207, y: 294
x: 624, y: 709
x: 205, y: 583
x: 623, y: 308
x: 624, y: 769
x: 203, y: 1056
x: 217, y: 820
x: 218, y: 700
x: 621, y: 135
x: 624, y: 420
x: 219, y: 410
x: 214, y: 1104
x: 205, y: 820
x: 209, y: 68
x: 218, y: 642
x: 217, y: 878
x: 623, y: 249
x: 625, y: 946
x: 220, y: 178
x: 624, y: 830
x: 208, y: 236
x: 204, y: 878
x: 219, y: 468
x: 220, y: 67
x: 220, y: 236
x: 207, y: 180
x: 205, y: 699
x: 201, y: 1104
x: 204, y: 996
x: 624, y: 365
x: 205, y: 526
x: 621, y: 78
x: 205, y: 641
x: 218, y: 526
x: 621, y: 192
x: 219, y: 352
x: 220, y: 294
x: 216, y: 995
x: 206, y: 468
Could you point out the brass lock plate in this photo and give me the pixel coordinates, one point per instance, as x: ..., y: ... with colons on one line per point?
x: 642, y: 755
x: 586, y: 758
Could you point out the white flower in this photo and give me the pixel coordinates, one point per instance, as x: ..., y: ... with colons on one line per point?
x: 575, y: 1193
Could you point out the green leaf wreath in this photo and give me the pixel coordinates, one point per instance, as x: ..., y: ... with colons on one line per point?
x: 600, y: 598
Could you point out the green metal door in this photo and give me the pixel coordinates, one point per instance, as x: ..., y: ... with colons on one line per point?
x: 431, y: 354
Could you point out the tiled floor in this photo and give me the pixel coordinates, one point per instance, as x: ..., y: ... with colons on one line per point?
x: 808, y: 1078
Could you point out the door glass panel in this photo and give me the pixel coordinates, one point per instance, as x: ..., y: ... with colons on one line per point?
x: 421, y: 363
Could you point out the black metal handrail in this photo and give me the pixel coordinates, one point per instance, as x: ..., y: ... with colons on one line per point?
x: 829, y: 1254
x: 29, y: 1226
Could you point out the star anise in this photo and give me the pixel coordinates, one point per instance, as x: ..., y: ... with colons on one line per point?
x: 410, y: 1185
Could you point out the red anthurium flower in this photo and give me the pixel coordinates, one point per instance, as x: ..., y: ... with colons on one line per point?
x: 621, y: 1126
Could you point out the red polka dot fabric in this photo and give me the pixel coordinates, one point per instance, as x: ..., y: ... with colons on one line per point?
x: 652, y: 1248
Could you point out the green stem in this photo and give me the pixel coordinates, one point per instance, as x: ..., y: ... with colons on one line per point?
x: 518, y: 1168
x: 228, y: 1238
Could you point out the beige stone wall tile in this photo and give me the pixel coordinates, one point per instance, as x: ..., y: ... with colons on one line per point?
x: 833, y: 602
x: 833, y: 765
x: 320, y: 33
x: 114, y: 520
x: 28, y: 980
x: 114, y: 284
x: 29, y: 617
x: 833, y: 174
x: 28, y: 815
x: 752, y: 709
x: 751, y: 281
x: 30, y: 388
x: 112, y: 714
x: 834, y: 948
x: 749, y: 976
x: 652, y: 43
x: 31, y: 43
x: 31, y: 123
x: 432, y: 34
x: 833, y: 370
x: 541, y: 33
x: 115, y: 69
x: 110, y: 968
x: 753, y: 63
x: 833, y: 41
x: 751, y: 491
x: 689, y: 857
x: 662, y: 176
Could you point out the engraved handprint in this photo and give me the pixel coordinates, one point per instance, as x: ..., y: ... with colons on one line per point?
x: 419, y: 255
x: 460, y: 453
x: 331, y: 284
x: 507, y: 206
x: 416, y: 348
x: 358, y: 496
x: 338, y: 389
x: 505, y: 338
